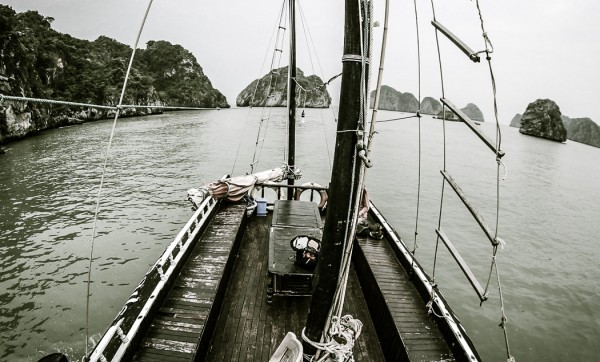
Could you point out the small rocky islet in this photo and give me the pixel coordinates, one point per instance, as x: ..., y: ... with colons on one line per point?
x: 543, y: 119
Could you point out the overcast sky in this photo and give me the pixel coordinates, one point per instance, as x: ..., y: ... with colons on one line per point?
x: 542, y: 49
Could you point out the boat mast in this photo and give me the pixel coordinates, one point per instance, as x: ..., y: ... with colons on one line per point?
x: 344, y: 181
x: 291, y: 97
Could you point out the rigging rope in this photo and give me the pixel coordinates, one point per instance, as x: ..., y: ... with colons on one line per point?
x: 488, y: 50
x: 90, y: 105
x: 87, y: 306
x: 357, y: 183
x: 437, y: 41
x: 494, y: 265
x: 51, y: 101
x: 309, y: 39
x: 419, y: 121
x: 273, y: 73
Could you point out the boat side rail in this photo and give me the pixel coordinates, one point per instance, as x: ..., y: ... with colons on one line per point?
x: 426, y: 289
x: 313, y: 187
x: 123, y: 333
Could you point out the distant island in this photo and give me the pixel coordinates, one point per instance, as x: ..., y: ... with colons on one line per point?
x: 39, y: 62
x: 393, y: 100
x: 546, y: 119
x: 271, y: 91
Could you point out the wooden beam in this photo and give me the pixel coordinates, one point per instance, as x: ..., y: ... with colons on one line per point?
x: 463, y: 265
x: 459, y: 43
x: 480, y: 220
x: 463, y: 117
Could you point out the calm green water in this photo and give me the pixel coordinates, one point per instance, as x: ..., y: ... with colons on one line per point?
x: 549, y: 218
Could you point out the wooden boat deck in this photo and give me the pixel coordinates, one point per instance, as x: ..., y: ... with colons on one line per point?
x: 186, y: 318
x: 249, y: 329
x: 192, y: 324
x: 396, y: 305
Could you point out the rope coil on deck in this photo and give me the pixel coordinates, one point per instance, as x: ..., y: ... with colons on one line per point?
x: 343, y: 332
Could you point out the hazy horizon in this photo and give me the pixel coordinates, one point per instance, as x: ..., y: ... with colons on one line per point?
x: 541, y: 50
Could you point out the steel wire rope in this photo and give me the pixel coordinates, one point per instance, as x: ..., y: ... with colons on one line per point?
x: 415, y: 245
x: 53, y: 101
x: 265, y: 109
x: 87, y: 306
x: 91, y: 105
x: 310, y: 39
x: 273, y: 35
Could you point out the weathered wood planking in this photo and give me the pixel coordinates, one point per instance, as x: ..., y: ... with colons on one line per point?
x: 407, y: 332
x: 250, y: 330
x: 184, y: 324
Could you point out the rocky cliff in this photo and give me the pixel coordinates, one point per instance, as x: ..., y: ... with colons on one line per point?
x: 516, y: 121
x: 473, y: 112
x: 542, y: 118
x: 392, y: 100
x: 271, y: 91
x: 430, y: 106
x: 39, y: 62
x: 582, y: 130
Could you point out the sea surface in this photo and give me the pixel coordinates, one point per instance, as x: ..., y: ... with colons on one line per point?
x: 549, y: 218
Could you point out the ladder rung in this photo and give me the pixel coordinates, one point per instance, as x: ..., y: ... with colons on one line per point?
x: 459, y: 43
x: 480, y: 220
x: 469, y: 122
x: 463, y: 265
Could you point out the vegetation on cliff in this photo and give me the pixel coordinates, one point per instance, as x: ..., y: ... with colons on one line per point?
x: 271, y: 91
x: 41, y: 62
x: 37, y: 61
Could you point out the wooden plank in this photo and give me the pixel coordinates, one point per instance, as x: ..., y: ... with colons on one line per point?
x: 476, y: 215
x: 463, y: 265
x: 184, y: 314
x: 482, y: 136
x: 250, y: 329
x: 454, y: 39
x: 418, y: 331
x: 152, y: 354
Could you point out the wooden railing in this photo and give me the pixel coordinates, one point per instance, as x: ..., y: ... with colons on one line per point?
x: 123, y: 332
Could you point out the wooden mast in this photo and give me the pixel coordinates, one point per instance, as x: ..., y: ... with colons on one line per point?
x: 291, y: 96
x: 328, y: 268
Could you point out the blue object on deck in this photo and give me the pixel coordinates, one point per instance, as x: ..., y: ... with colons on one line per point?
x: 261, y: 208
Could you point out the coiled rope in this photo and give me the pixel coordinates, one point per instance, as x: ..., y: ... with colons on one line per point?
x: 343, y: 333
x: 112, y: 132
